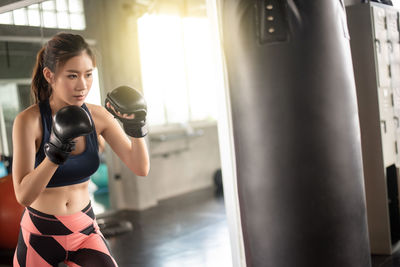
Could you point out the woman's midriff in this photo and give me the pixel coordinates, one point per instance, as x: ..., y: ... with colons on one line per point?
x: 64, y: 200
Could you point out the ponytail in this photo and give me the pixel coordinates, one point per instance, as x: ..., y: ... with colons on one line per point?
x: 40, y: 88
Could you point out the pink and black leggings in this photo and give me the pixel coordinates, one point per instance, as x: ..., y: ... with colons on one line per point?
x: 46, y: 240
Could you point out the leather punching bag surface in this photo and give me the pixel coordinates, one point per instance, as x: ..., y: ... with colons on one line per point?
x: 296, y: 133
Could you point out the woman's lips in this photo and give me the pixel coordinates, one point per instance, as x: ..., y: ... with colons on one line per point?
x: 79, y: 97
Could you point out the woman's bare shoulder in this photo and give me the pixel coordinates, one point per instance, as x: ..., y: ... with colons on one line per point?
x: 97, y: 111
x: 100, y: 115
x: 29, y: 116
x: 30, y: 113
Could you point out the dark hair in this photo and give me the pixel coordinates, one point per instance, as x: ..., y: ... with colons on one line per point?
x: 53, y: 55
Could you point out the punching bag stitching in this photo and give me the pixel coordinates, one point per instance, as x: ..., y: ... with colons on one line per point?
x: 271, y: 21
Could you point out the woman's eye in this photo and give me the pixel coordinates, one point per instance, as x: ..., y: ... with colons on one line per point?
x: 88, y: 75
x: 72, y: 76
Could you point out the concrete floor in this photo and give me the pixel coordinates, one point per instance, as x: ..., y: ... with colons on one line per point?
x: 190, y: 230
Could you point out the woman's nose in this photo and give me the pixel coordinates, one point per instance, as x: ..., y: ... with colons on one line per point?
x: 82, y: 85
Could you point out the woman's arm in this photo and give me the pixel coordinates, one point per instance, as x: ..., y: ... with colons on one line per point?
x: 29, y: 182
x: 132, y: 151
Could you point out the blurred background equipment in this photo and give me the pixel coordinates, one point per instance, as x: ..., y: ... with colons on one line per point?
x: 10, y: 214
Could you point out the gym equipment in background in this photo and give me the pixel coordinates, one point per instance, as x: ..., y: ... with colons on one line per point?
x: 100, y: 179
x: 3, y: 169
x: 10, y: 214
x: 374, y: 30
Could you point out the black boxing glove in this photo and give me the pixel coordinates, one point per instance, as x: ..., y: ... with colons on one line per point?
x: 68, y: 123
x: 127, y: 100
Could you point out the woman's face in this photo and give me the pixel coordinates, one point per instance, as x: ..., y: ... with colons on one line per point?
x: 71, y: 82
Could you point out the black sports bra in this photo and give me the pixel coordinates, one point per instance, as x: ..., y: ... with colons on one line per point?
x: 78, y: 168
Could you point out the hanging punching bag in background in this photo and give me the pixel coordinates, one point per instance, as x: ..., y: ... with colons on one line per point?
x: 296, y: 133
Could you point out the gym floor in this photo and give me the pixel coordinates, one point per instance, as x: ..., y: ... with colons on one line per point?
x: 189, y: 230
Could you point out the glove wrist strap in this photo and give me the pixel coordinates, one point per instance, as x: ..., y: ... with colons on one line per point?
x: 136, y: 131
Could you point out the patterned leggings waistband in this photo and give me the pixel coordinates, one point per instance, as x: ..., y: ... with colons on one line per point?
x: 86, y: 210
x: 38, y: 222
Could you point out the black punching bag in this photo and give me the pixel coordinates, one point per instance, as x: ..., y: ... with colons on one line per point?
x: 296, y: 133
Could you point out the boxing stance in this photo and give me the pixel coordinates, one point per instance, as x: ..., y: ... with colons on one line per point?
x: 55, y: 150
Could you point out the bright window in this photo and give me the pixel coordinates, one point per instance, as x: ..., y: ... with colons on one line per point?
x: 34, y: 15
x: 62, y: 14
x: 178, y: 68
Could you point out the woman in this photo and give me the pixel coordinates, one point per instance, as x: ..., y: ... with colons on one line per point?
x: 54, y: 158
